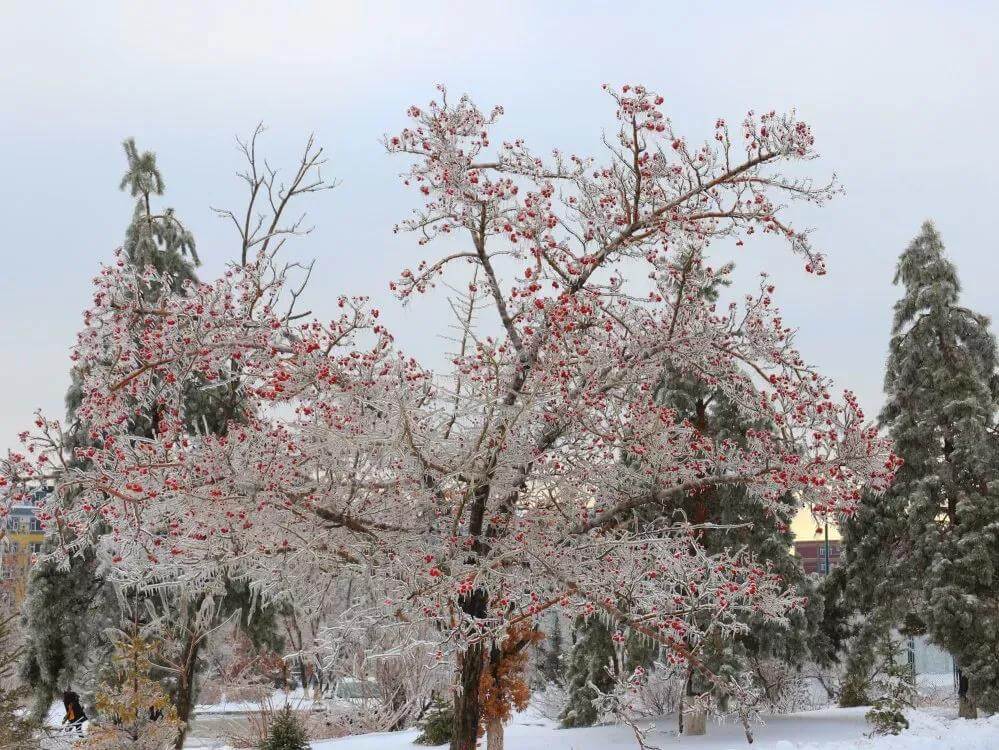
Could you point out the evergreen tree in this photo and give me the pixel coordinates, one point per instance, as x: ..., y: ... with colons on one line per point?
x: 593, y: 664
x: 437, y: 725
x: 747, y: 524
x: 286, y: 733
x: 925, y: 556
x: 66, y: 613
x: 550, y: 656
x: 749, y: 527
x: 151, y: 239
x: 69, y: 612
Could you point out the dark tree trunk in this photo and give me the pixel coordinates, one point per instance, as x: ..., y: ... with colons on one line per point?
x: 467, y: 707
x: 966, y: 707
x: 184, y: 699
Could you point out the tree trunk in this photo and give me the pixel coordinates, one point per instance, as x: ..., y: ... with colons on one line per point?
x: 471, y: 663
x: 679, y: 716
x: 467, y: 709
x: 494, y: 734
x: 693, y: 715
x: 966, y: 707
x: 696, y: 721
x: 692, y: 721
x: 184, y: 699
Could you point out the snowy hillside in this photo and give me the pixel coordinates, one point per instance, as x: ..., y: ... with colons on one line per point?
x: 829, y: 729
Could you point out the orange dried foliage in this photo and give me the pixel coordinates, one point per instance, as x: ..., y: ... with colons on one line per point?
x: 502, y: 687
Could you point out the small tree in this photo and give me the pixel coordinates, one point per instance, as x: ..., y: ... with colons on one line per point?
x: 591, y: 671
x: 134, y: 711
x: 853, y: 691
x: 550, y: 657
x: 896, y: 690
x: 437, y: 724
x: 287, y: 732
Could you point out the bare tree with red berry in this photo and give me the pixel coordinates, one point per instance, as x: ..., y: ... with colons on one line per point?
x: 477, y: 497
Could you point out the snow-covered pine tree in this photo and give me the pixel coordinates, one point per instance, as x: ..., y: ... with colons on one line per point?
x: 286, y: 733
x: 152, y: 239
x: 592, y: 664
x: 926, y: 554
x: 549, y: 654
x: 65, y: 614
x: 70, y: 610
x: 744, y: 522
x: 895, y: 690
x: 437, y: 724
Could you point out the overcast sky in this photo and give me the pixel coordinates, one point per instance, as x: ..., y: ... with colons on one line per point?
x: 902, y: 99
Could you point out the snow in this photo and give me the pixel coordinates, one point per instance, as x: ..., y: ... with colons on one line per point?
x: 297, y: 699
x: 827, y: 729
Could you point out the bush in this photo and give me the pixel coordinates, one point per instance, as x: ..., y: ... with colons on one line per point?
x: 886, y: 719
x: 854, y: 692
x: 437, y: 724
x: 133, y: 710
x: 896, y: 694
x: 287, y: 733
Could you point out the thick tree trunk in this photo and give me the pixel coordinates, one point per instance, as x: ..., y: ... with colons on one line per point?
x: 494, y: 734
x: 471, y: 663
x: 467, y: 708
x: 966, y: 707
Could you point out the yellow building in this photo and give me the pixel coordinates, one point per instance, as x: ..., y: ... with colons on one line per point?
x: 22, y: 539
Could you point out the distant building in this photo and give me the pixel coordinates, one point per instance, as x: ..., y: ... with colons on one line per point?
x: 813, y: 554
x: 21, y: 542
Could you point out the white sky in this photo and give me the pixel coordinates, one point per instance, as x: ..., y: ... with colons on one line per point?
x: 902, y: 98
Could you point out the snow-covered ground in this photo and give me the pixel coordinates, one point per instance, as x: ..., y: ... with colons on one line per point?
x: 827, y: 729
x: 297, y: 699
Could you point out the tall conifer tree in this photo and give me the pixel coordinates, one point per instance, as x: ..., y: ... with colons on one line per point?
x: 925, y: 556
x: 69, y: 612
x: 743, y: 523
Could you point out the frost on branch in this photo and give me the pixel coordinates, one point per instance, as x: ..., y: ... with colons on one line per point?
x: 540, y: 471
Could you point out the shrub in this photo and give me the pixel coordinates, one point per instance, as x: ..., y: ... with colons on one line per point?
x: 133, y: 710
x: 896, y: 694
x: 287, y: 733
x: 854, y: 692
x: 437, y: 724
